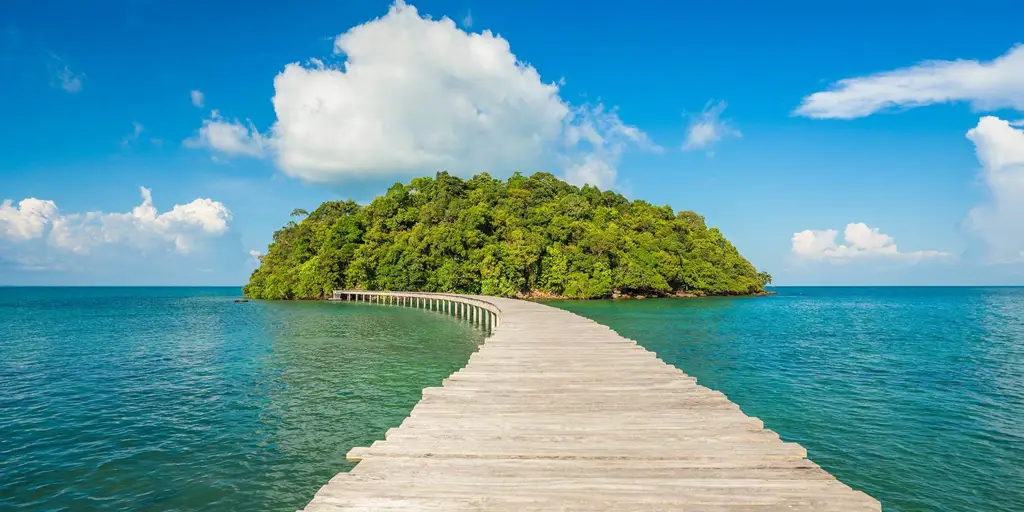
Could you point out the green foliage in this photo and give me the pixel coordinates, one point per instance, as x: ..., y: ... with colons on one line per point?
x: 528, y: 235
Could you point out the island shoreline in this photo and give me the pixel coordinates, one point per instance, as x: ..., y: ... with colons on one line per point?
x: 538, y: 296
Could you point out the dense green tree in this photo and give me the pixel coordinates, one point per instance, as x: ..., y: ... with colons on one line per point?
x: 527, y: 235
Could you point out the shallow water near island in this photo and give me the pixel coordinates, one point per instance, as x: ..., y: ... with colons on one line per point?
x: 180, y: 399
x: 914, y: 395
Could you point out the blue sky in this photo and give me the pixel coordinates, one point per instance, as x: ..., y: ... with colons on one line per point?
x: 813, y: 136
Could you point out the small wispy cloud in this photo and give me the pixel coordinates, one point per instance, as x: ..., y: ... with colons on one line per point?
x: 197, y: 98
x: 132, y: 137
x: 62, y: 76
x: 467, y: 22
x: 708, y: 127
x: 990, y: 85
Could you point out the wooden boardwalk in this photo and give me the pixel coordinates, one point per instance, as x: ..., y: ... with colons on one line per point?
x: 557, y: 412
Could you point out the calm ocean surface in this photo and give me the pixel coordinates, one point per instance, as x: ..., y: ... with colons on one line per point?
x: 180, y: 399
x: 914, y: 395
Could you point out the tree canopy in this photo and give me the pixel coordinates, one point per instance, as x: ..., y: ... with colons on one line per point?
x: 529, y: 235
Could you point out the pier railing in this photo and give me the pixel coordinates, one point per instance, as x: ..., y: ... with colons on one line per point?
x: 481, y: 313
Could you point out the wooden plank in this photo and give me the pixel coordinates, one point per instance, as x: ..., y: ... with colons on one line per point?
x: 557, y: 412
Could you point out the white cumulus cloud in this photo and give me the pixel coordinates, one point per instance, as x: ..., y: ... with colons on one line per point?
x: 708, y: 128
x: 197, y: 98
x: 415, y: 96
x: 231, y: 138
x: 1000, y: 223
x: 998, y: 83
x: 26, y: 221
x: 860, y: 240
x: 181, y: 230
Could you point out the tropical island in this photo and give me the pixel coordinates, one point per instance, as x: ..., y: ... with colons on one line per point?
x: 529, y: 237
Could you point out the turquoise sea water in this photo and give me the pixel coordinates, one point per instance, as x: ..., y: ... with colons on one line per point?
x: 914, y: 395
x: 180, y: 399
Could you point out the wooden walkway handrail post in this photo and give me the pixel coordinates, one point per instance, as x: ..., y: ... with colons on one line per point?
x: 475, y: 310
x: 558, y: 412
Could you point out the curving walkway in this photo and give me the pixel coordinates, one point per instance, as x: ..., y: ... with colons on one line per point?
x: 558, y: 412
